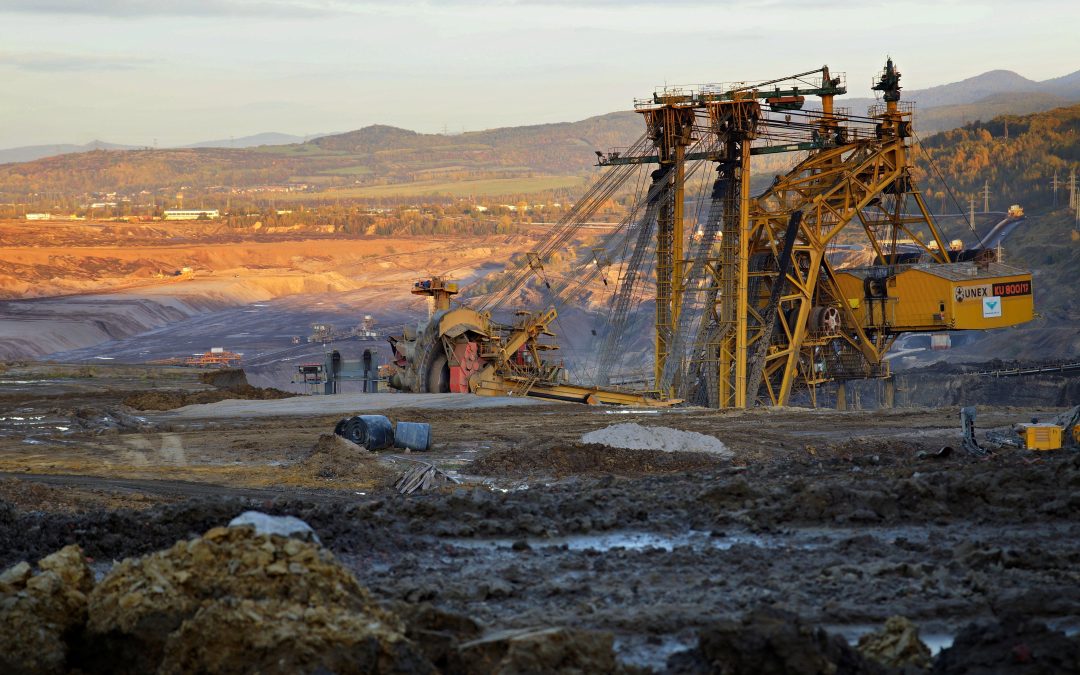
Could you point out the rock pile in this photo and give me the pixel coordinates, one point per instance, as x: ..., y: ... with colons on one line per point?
x: 232, y: 600
x: 261, y: 595
x: 896, y: 645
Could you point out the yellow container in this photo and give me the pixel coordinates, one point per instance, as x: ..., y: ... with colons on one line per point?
x: 938, y: 296
x: 1042, y: 437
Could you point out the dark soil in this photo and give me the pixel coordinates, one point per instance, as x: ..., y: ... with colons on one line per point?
x: 582, y: 460
x: 1015, y: 645
x: 673, y: 552
x: 770, y: 641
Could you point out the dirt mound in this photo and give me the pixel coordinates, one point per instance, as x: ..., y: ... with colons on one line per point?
x: 171, y: 399
x: 896, y: 645
x: 229, y: 601
x: 37, y: 611
x: 771, y: 642
x: 581, y: 459
x: 225, y: 378
x: 232, y: 597
x: 633, y: 436
x: 334, y: 457
x: 1014, y: 645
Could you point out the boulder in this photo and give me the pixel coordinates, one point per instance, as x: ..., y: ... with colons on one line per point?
x: 39, y: 611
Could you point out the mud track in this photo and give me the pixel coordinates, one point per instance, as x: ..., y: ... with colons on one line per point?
x: 655, y: 558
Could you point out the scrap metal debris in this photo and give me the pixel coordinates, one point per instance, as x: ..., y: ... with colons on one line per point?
x: 423, y: 477
x: 967, y: 425
x: 944, y: 452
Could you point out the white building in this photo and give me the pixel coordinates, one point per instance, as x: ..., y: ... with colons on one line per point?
x: 191, y: 214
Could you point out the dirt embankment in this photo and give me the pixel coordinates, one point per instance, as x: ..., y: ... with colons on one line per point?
x: 228, y: 383
x: 169, y: 400
x: 931, y: 389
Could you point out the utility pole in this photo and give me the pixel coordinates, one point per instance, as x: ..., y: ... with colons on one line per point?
x: 986, y: 196
x: 971, y: 214
x: 1074, y: 198
x: 1054, y: 187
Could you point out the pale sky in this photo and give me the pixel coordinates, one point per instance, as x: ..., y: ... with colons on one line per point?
x: 181, y: 71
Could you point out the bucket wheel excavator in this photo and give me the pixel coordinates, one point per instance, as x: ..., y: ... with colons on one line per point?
x: 749, y: 303
x: 461, y: 350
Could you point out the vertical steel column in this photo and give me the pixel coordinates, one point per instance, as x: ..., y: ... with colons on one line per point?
x: 675, y: 126
x: 741, y: 313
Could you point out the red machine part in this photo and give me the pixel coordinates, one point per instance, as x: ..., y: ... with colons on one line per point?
x: 467, y: 355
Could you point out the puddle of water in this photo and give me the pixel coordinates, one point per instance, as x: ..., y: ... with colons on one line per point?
x: 1070, y: 625
x: 804, y: 539
x: 631, y: 541
x: 651, y: 652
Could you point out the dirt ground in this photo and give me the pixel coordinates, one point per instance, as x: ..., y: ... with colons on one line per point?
x: 830, y: 516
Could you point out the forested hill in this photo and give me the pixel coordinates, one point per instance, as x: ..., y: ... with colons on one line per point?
x: 1016, y: 155
x: 374, y: 155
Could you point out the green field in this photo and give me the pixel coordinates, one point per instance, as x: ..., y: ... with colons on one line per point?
x: 489, y: 187
x: 349, y: 171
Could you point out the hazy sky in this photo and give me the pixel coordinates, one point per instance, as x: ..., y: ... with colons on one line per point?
x: 180, y: 71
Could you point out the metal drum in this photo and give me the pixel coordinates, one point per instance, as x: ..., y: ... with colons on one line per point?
x: 413, y: 435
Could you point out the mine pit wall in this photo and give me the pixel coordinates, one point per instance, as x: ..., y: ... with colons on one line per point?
x: 944, y: 390
x: 31, y: 329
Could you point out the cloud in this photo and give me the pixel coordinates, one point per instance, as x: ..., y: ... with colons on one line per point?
x: 304, y: 8
x: 153, y: 8
x: 47, y: 62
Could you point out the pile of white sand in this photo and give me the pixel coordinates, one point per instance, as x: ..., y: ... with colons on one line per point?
x: 633, y: 436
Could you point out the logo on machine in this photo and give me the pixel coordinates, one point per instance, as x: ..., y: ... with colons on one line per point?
x: 971, y: 292
x: 991, y: 307
x: 1012, y: 288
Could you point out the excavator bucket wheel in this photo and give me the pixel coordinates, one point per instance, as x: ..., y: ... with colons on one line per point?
x: 439, y: 375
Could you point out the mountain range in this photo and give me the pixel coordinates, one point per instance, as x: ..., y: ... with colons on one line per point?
x: 29, y: 153
x: 379, y: 160
x: 945, y: 106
